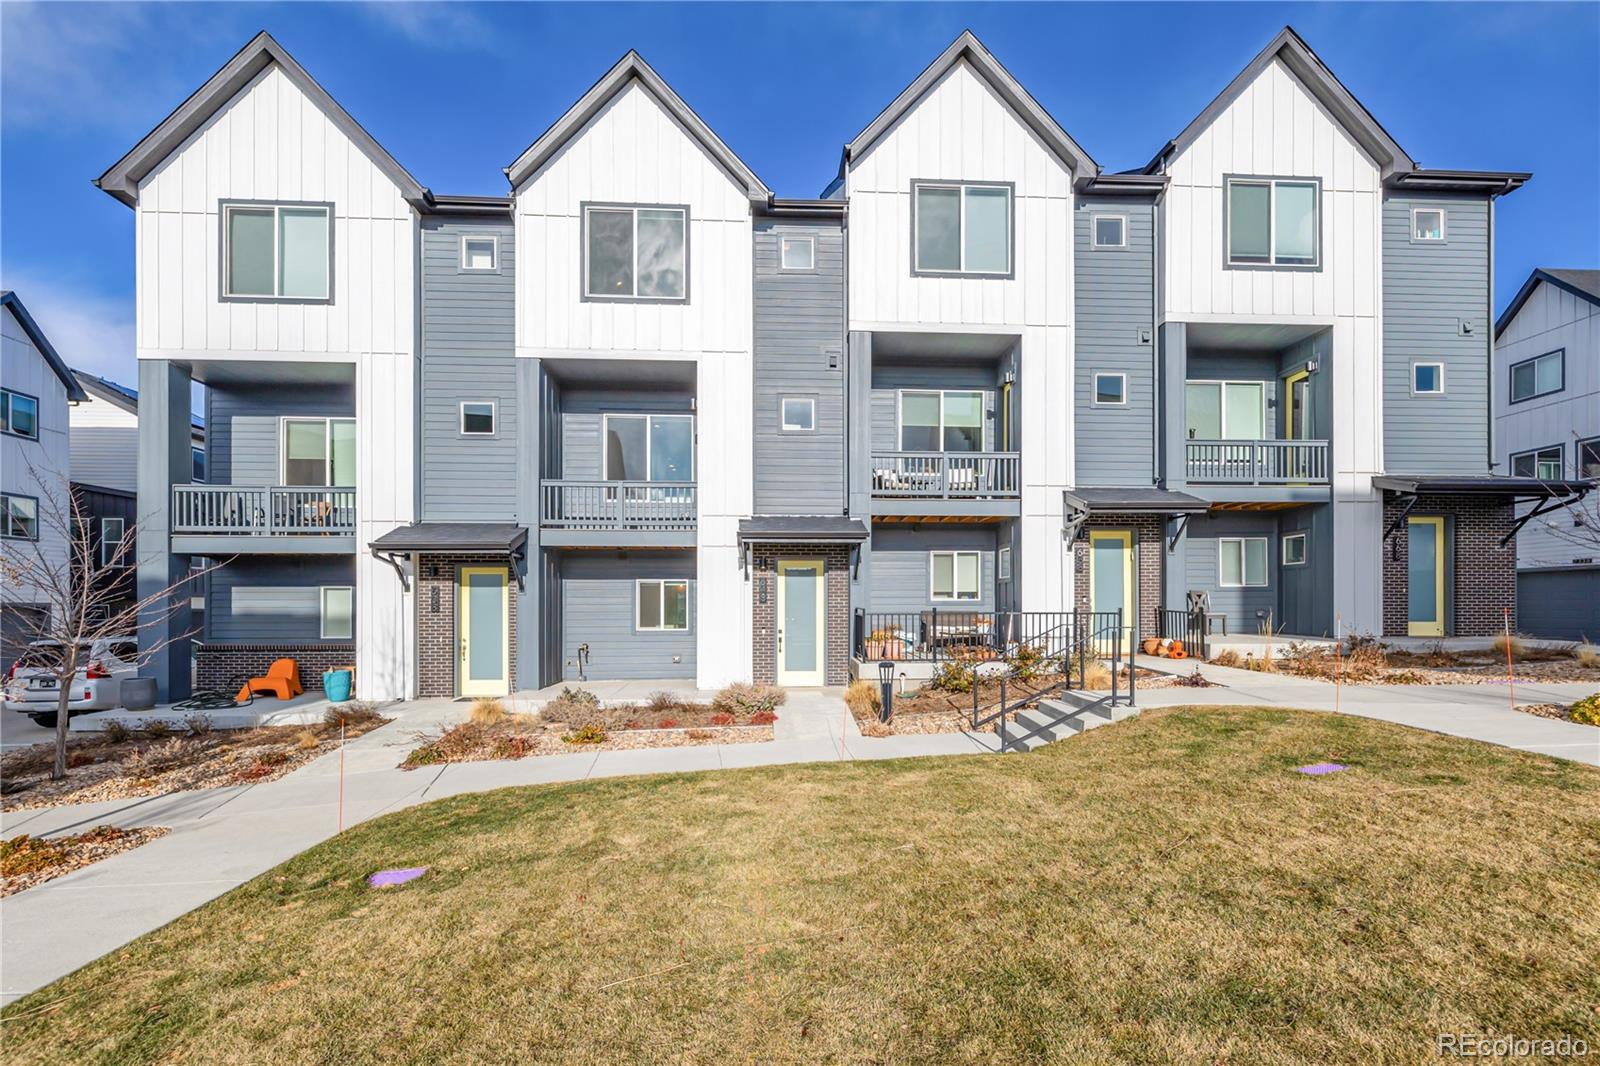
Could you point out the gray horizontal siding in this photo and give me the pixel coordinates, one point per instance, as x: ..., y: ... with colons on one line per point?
x: 242, y: 426
x: 799, y: 325
x: 106, y: 455
x: 1428, y: 289
x: 900, y: 572
x: 890, y: 378
x: 468, y: 353
x: 1201, y: 563
x: 273, y: 598
x: 598, y: 609
x: 1115, y: 292
x: 583, y: 414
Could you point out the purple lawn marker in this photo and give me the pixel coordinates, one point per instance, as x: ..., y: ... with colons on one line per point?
x: 387, y: 878
x: 1317, y: 769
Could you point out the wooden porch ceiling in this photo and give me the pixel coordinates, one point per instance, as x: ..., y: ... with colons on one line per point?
x: 1259, y: 505
x: 939, y: 519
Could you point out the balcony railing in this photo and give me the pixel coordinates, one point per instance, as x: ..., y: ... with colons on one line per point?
x: 263, y: 511
x: 1256, y: 462
x: 617, y: 505
x: 947, y: 475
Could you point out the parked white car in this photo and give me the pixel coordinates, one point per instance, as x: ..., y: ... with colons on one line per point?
x: 31, y: 686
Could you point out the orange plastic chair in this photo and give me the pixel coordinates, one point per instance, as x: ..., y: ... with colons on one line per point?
x: 282, y: 681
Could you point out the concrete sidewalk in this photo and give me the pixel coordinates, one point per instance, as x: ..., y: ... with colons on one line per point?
x: 223, y: 837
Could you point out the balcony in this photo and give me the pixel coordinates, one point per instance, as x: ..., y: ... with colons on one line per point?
x: 947, y: 475
x: 1256, y: 462
x: 643, y: 513
x: 220, y: 519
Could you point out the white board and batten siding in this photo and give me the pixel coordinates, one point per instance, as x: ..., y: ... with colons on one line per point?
x: 271, y: 142
x: 633, y: 151
x: 38, y: 468
x: 1277, y: 127
x: 961, y: 130
x: 1551, y: 319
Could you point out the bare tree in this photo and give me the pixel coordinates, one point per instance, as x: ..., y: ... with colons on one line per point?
x: 85, y: 595
x: 1575, y: 522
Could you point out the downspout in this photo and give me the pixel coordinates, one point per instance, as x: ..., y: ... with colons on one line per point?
x: 844, y: 351
x: 1489, y: 332
x: 1157, y: 406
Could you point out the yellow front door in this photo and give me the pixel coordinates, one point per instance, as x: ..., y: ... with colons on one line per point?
x: 483, y: 622
x: 1297, y: 408
x: 1425, y: 554
x: 1111, y: 583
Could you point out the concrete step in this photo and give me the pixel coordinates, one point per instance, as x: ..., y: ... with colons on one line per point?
x: 1058, y: 719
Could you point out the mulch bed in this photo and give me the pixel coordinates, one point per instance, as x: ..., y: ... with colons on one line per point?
x: 102, y: 766
x: 28, y: 861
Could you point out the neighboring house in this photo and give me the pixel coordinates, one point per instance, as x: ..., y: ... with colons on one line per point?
x: 35, y: 388
x: 643, y: 418
x: 105, y: 463
x: 1547, y: 425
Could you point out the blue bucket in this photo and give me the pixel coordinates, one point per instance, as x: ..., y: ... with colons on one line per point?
x: 336, y: 685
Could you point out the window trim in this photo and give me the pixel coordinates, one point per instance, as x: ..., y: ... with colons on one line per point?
x: 899, y: 416
x: 224, y: 206
x: 961, y: 233
x: 106, y: 540
x: 1440, y: 391
x: 1272, y: 182
x: 783, y: 419
x: 1002, y: 565
x: 1511, y: 376
x: 1244, y: 581
x: 810, y: 242
x: 494, y: 243
x: 661, y: 616
x: 322, y: 612
x: 494, y: 419
x: 327, y: 440
x: 1545, y: 449
x: 7, y: 396
x: 585, y: 296
x: 605, y: 422
x: 196, y: 452
x: 1444, y: 225
x: 1222, y: 410
x: 1577, y: 453
x: 1283, y: 549
x: 5, y: 516
x: 1097, y: 401
x: 955, y: 576
x: 1094, y: 230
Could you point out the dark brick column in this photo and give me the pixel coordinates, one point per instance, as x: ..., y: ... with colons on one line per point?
x: 1485, y: 578
x: 764, y: 602
x: 1149, y: 548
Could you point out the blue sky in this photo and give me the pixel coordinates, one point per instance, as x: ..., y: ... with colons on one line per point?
x: 456, y: 91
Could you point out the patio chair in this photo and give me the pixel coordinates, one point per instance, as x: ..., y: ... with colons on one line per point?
x: 282, y: 681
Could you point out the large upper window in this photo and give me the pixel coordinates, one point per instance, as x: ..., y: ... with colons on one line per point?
x: 1274, y: 222
x: 19, y: 517
x: 1539, y: 376
x: 319, y: 451
x: 1241, y: 562
x: 1544, y: 464
x: 950, y: 421
x: 19, y: 414
x: 649, y: 447
x: 636, y: 253
x: 276, y: 251
x: 961, y: 229
x: 1225, y: 410
x: 954, y: 576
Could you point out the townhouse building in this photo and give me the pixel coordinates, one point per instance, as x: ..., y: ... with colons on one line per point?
x: 642, y: 418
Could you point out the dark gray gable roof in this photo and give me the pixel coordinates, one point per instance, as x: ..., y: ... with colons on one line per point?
x: 968, y: 47
x: 75, y: 391
x: 122, y: 179
x: 1584, y: 284
x: 630, y: 67
x: 1299, y: 58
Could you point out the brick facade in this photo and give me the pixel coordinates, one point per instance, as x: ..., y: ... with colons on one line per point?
x: 436, y: 621
x: 764, y: 601
x: 1149, y: 548
x: 1485, y: 580
x: 219, y: 665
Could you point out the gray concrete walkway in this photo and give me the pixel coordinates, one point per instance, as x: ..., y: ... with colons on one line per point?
x: 223, y: 837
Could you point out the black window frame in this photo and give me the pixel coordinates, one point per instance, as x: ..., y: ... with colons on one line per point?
x: 7, y: 396
x: 1511, y: 376
x: 5, y: 516
x: 1546, y: 450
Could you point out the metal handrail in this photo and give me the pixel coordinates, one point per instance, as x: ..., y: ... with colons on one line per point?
x: 947, y: 475
x: 263, y: 510
x: 613, y: 505
x: 1256, y: 462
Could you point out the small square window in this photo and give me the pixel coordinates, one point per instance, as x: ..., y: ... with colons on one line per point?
x: 480, y: 253
x: 477, y: 418
x: 799, y: 414
x: 1110, y: 231
x: 1427, y: 379
x: 1294, y: 549
x: 798, y: 253
x: 1427, y: 223
x: 1111, y: 389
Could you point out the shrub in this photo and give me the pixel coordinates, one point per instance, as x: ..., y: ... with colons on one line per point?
x: 159, y: 758
x: 352, y: 714
x: 579, y: 695
x: 1096, y: 675
x: 306, y: 740
x: 1027, y: 662
x: 487, y: 712
x: 1587, y: 710
x: 661, y: 703
x: 197, y: 725
x: 722, y: 718
x: 589, y: 734
x: 954, y: 675
x: 1192, y: 680
x: 763, y: 718
x: 423, y: 755
x: 745, y: 699
x: 1510, y: 645
x: 24, y: 854
x: 117, y: 732
x: 863, y: 699
x: 1587, y: 655
x: 272, y: 758
x: 158, y: 729
x: 575, y: 707
x: 1227, y: 657
x: 667, y: 723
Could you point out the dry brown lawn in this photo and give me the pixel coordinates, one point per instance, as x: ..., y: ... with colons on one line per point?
x: 1163, y: 890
